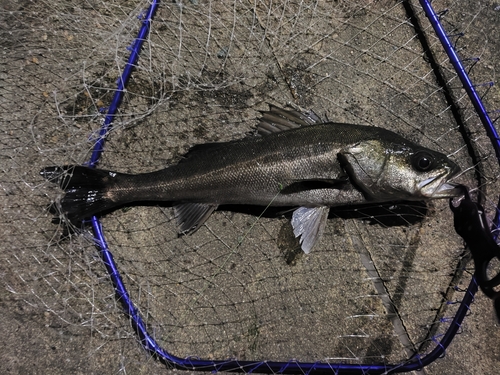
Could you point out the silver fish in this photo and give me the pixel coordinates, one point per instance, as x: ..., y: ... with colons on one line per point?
x: 296, y: 160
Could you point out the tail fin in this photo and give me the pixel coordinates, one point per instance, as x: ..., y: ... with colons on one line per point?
x: 86, y: 191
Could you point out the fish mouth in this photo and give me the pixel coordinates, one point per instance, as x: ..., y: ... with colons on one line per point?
x: 448, y: 190
x: 439, y: 187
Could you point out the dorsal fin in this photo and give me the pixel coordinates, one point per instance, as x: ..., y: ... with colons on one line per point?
x: 278, y: 119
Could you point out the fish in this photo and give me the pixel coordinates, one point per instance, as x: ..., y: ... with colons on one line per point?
x: 294, y: 159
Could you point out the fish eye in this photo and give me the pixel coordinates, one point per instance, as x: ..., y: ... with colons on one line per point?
x: 422, y: 161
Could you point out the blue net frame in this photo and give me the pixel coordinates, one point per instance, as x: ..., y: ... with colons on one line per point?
x: 264, y: 366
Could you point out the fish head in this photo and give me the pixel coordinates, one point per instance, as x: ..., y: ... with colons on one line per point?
x: 399, y: 171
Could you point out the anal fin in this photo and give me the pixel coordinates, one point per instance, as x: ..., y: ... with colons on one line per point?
x: 191, y: 216
x: 309, y: 224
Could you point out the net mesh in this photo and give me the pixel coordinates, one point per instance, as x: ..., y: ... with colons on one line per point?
x: 377, y: 288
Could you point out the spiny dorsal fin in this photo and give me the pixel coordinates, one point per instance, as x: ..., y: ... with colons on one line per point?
x: 278, y: 119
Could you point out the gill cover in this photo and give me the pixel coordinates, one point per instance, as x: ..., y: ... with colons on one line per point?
x: 364, y: 163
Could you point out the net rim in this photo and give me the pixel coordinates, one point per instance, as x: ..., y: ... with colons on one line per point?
x: 264, y: 366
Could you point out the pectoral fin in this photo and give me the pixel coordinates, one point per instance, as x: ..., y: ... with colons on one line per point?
x: 315, y: 184
x: 191, y: 216
x: 309, y: 224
